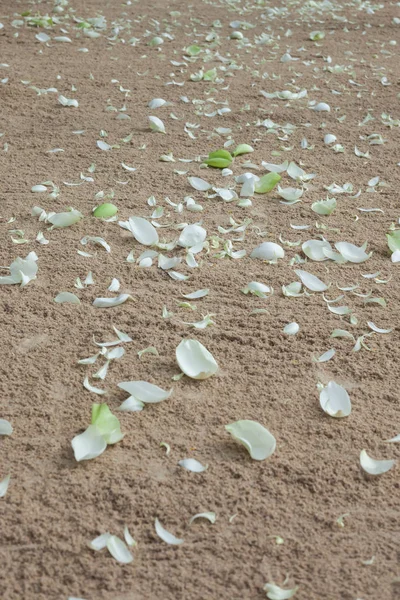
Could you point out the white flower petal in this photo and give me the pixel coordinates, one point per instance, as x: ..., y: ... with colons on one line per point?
x: 195, y: 360
x: 142, y: 230
x: 5, y: 427
x: 144, y: 391
x: 199, y: 184
x: 191, y: 464
x: 326, y: 356
x: 88, y: 444
x: 166, y: 536
x: 375, y: 467
x: 255, y: 437
x: 274, y: 592
x: 157, y: 125
x: 67, y: 297
x: 192, y: 235
x: 268, y: 251
x: 311, y: 281
x: 210, y: 516
x: 100, y: 542
x: 291, y: 328
x: 335, y: 401
x: 196, y: 295
x: 4, y: 483
x: 351, y: 252
x: 109, y: 302
x: 118, y: 550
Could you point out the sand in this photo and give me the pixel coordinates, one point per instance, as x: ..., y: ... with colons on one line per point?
x: 54, y: 505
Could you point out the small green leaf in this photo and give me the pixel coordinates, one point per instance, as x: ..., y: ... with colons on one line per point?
x: 105, y: 211
x: 107, y: 423
x: 218, y: 163
x: 267, y: 183
x: 193, y: 50
x: 243, y: 149
x: 393, y: 240
x: 210, y: 75
x: 220, y: 154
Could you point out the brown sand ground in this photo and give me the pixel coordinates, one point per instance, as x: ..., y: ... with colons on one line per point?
x: 54, y: 505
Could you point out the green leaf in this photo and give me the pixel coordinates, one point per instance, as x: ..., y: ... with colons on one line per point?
x: 393, y: 240
x: 193, y: 50
x: 220, y: 154
x: 267, y: 183
x: 243, y: 149
x: 105, y: 211
x: 218, y: 163
x: 210, y: 75
x: 107, y: 423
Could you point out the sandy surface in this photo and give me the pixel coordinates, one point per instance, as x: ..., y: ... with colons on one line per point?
x: 54, y: 505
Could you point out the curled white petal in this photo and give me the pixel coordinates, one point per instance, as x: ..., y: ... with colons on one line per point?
x: 166, y: 536
x: 373, y: 466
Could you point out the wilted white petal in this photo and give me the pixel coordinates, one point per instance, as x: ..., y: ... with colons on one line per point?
x: 144, y: 391
x: 335, y: 401
x: 375, y: 467
x: 191, y: 464
x: 166, y: 536
x: 255, y: 438
x: 89, y: 444
x: 131, y: 404
x: 195, y: 360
